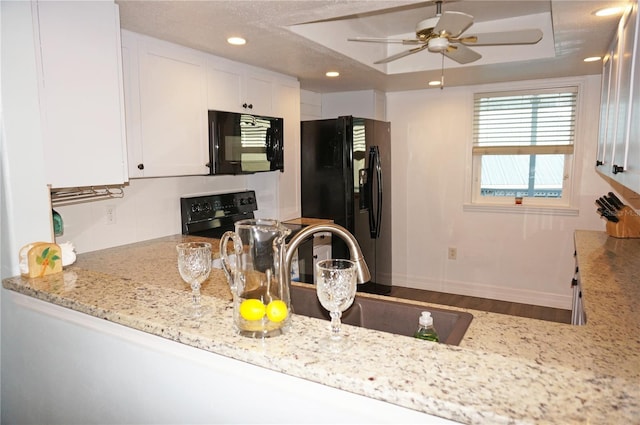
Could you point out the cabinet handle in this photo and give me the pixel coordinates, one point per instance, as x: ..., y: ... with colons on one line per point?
x: 140, y: 166
x: 599, y: 163
x: 247, y: 105
x: 617, y: 169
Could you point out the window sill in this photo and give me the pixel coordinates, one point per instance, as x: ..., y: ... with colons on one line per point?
x: 522, y: 209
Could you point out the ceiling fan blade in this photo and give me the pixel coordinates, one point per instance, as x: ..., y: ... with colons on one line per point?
x: 453, y: 23
x: 385, y: 40
x: 461, y: 54
x: 402, y: 54
x: 528, y: 36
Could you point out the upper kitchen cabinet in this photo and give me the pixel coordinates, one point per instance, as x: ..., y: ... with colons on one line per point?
x: 81, y: 93
x: 165, y: 88
x: 239, y: 88
x: 169, y: 90
x: 619, y: 138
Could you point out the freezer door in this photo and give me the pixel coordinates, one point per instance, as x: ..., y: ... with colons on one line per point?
x: 326, y: 174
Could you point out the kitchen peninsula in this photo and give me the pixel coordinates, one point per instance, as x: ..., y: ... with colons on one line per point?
x: 104, y: 342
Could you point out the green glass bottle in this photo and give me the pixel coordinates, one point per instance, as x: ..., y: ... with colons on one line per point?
x: 426, y: 330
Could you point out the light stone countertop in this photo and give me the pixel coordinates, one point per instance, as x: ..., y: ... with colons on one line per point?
x: 507, y: 369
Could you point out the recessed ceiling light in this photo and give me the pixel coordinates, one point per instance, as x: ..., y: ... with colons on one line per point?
x: 609, y: 11
x: 236, y: 41
x: 434, y: 83
x: 332, y: 74
x: 592, y: 59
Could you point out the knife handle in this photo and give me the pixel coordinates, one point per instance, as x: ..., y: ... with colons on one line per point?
x: 616, y: 200
x: 607, y: 205
x: 612, y: 203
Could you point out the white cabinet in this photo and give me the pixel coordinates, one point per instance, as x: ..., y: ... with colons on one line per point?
x: 168, y: 91
x: 287, y: 104
x: 235, y: 88
x: 607, y: 112
x: 81, y: 94
x: 619, y: 143
x: 166, y: 108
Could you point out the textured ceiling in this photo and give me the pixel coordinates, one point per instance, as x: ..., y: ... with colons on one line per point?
x: 572, y: 34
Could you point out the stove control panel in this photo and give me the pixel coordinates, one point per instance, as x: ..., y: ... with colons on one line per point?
x: 209, y: 207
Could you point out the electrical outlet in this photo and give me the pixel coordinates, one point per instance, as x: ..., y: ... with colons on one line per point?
x: 110, y: 214
x: 453, y: 253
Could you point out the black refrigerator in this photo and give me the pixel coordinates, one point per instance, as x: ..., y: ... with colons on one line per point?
x: 346, y: 177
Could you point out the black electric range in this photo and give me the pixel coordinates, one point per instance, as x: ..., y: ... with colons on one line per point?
x: 212, y: 215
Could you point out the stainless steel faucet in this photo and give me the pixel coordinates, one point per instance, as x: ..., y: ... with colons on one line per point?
x: 354, y: 249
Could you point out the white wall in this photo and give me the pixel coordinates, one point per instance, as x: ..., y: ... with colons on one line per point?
x: 509, y: 256
x: 25, y: 211
x: 149, y: 209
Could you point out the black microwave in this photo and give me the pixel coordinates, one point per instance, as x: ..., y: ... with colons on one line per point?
x: 242, y: 143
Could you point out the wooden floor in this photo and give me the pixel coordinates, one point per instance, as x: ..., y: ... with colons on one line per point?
x: 484, y: 304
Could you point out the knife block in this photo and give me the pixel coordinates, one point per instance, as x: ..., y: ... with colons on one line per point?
x: 628, y: 225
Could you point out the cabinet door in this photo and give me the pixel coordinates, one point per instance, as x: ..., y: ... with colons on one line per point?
x: 631, y: 175
x: 230, y: 87
x: 612, y: 108
x: 173, y: 112
x: 81, y: 93
x: 626, y: 45
x: 605, y: 100
x: 224, y: 89
x: 258, y: 96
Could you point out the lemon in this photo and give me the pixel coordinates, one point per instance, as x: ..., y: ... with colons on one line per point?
x: 252, y: 309
x: 277, y: 311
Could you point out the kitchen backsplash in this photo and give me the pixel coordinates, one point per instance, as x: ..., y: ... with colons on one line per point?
x: 149, y: 209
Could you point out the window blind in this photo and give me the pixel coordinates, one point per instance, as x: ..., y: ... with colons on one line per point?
x: 525, y: 123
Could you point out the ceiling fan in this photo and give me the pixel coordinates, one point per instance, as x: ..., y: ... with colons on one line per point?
x: 442, y: 34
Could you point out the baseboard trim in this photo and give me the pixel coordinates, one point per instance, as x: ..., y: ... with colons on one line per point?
x: 501, y: 293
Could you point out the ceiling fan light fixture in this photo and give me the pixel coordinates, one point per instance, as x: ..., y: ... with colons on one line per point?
x: 439, y: 44
x: 236, y: 41
x: 592, y: 59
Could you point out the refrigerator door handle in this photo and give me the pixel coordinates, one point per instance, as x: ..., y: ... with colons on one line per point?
x: 375, y: 218
x: 379, y: 206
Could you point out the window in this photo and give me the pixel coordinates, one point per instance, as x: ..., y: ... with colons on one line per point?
x: 523, y: 146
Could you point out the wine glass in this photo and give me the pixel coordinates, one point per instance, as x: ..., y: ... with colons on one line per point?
x: 194, y: 265
x: 336, y: 287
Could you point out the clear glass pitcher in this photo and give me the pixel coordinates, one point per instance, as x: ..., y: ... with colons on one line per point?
x: 261, y: 300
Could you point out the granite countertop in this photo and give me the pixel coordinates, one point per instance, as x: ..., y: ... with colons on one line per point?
x: 305, y: 221
x: 507, y: 369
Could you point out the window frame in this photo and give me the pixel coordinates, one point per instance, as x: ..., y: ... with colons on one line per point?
x: 564, y: 205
